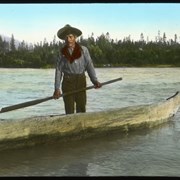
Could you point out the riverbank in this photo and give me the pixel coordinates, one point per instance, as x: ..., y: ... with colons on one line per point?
x: 142, y: 66
x: 110, y: 66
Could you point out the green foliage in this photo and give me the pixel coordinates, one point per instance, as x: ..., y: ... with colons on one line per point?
x: 12, y: 44
x: 104, y: 52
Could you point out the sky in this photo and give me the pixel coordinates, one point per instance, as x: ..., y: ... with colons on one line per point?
x: 35, y: 22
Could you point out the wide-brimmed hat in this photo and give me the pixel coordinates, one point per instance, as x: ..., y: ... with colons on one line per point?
x: 67, y: 29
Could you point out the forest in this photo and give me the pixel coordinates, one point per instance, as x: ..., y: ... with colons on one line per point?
x: 104, y: 51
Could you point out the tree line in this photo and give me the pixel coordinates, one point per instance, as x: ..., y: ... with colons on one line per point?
x: 104, y: 52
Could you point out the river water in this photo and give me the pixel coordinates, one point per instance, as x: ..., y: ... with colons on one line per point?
x: 154, y: 152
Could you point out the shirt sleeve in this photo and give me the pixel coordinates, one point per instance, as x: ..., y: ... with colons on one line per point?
x: 58, y: 73
x: 90, y: 66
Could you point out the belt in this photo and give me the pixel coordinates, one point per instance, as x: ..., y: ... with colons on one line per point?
x: 73, y: 75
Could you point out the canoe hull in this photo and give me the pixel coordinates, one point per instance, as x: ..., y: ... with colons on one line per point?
x: 38, y: 130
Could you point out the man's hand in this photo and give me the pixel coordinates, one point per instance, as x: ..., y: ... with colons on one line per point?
x: 57, y: 94
x: 97, y: 85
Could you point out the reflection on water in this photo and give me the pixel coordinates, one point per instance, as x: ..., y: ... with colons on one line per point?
x: 154, y: 152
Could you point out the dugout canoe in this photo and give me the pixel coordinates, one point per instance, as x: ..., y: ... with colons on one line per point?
x: 53, y: 129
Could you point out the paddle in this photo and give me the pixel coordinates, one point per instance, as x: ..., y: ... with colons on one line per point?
x: 34, y: 102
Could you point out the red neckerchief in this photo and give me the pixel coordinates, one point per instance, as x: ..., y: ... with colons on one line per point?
x: 75, y: 54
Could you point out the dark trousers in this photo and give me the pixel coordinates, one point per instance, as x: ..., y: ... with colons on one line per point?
x: 78, y: 100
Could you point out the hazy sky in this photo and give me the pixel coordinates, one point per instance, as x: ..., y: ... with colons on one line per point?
x: 34, y: 22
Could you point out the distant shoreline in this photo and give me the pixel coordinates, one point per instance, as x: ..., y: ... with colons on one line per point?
x: 142, y: 66
x: 102, y: 66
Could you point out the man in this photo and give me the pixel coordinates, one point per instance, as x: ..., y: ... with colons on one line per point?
x: 72, y: 63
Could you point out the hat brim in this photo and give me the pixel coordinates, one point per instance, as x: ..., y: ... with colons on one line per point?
x: 63, y: 32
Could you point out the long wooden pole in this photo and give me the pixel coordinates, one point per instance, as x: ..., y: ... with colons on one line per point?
x: 37, y: 101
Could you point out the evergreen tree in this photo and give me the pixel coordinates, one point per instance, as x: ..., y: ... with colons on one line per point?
x: 104, y: 52
x: 12, y: 44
